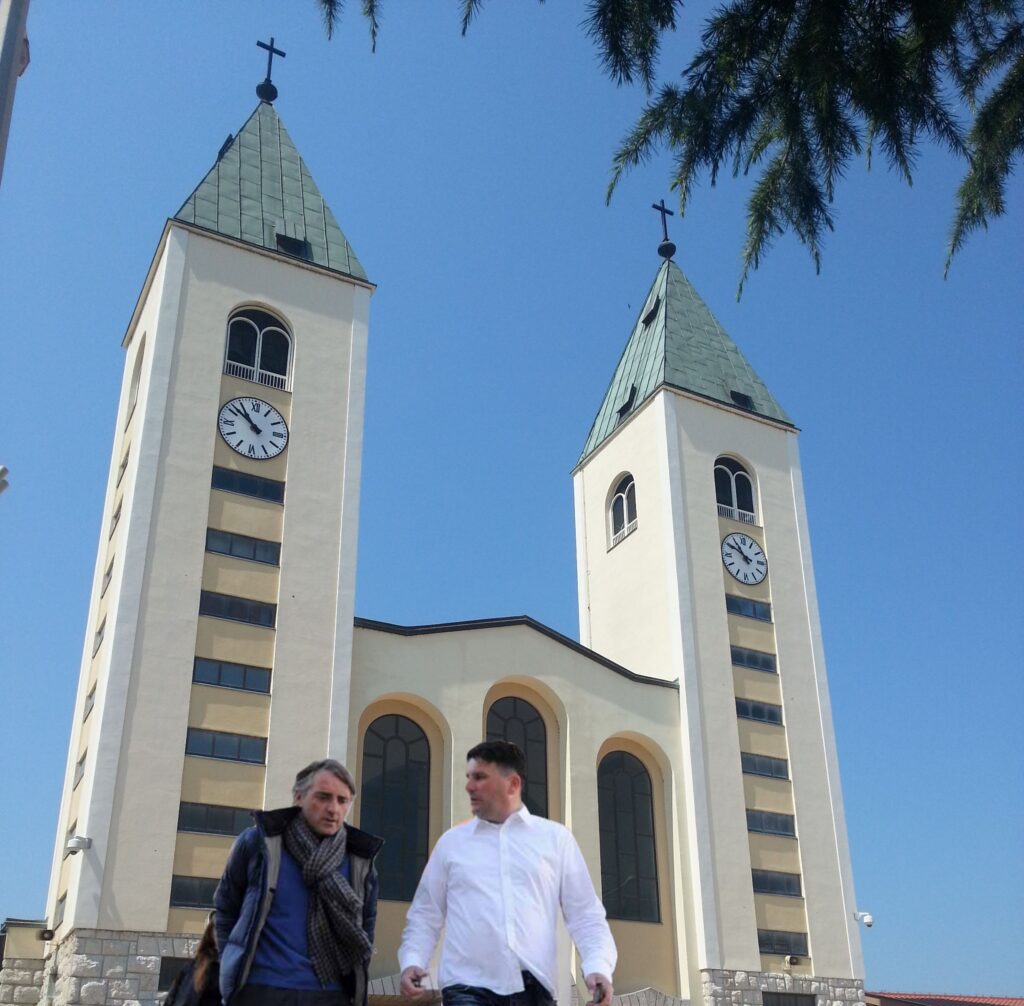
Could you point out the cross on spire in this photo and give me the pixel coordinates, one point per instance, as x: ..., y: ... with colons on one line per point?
x: 266, y: 90
x: 666, y: 249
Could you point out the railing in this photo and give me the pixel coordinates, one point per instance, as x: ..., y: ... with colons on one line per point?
x: 733, y: 514
x: 248, y: 373
x: 620, y: 534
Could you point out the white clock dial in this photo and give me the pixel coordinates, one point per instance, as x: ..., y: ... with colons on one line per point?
x: 744, y: 558
x: 253, y: 427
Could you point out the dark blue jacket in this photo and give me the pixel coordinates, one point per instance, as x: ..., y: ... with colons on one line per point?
x: 246, y: 890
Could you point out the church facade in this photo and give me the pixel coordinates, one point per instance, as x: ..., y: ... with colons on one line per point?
x: 686, y: 739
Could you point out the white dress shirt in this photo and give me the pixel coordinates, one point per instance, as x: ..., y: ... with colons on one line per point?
x: 497, y: 890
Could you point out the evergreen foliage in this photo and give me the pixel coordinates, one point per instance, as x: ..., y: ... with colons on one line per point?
x: 794, y: 89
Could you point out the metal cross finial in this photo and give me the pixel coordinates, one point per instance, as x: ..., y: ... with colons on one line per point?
x: 666, y: 249
x: 266, y: 90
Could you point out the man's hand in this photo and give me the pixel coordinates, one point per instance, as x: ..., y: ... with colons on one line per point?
x: 412, y: 982
x: 600, y: 989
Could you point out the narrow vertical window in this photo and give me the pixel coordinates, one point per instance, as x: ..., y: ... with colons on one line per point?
x: 133, y: 390
x: 622, y: 509
x: 258, y: 348
x: 734, y: 490
x: 514, y: 719
x: 625, y: 808
x: 395, y: 801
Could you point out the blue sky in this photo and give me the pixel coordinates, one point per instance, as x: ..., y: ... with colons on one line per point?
x: 469, y: 175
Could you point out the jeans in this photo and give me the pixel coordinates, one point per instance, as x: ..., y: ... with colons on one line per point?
x: 533, y: 994
x: 267, y: 995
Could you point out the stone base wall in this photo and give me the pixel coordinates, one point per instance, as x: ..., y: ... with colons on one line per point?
x: 21, y: 980
x: 102, y: 967
x: 744, y: 988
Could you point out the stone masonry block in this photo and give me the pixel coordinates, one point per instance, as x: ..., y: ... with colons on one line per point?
x: 92, y: 993
x: 115, y: 967
x: 117, y: 948
x: 17, y: 977
x: 139, y: 965
x: 85, y: 966
x: 181, y: 947
x: 26, y: 994
x: 90, y: 946
x: 148, y: 945
x: 124, y: 988
x: 148, y: 984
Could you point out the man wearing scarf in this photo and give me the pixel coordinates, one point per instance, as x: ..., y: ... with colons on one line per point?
x: 296, y: 907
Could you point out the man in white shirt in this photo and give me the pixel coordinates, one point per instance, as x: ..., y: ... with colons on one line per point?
x: 496, y: 885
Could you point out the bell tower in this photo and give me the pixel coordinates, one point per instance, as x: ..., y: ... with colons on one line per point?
x: 218, y: 649
x: 694, y: 564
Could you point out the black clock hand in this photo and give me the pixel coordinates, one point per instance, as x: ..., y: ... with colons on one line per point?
x: 743, y: 555
x: 248, y: 419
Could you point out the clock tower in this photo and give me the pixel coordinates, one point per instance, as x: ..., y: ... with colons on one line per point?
x: 218, y: 652
x: 694, y: 566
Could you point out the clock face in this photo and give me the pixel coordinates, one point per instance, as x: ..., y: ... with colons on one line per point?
x: 253, y: 427
x: 744, y: 558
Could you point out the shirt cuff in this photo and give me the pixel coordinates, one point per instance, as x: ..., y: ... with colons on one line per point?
x: 596, y: 965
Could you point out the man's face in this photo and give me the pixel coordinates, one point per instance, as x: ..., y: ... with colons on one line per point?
x: 492, y: 795
x: 326, y: 803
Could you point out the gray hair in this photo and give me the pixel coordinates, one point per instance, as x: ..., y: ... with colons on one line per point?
x: 304, y: 777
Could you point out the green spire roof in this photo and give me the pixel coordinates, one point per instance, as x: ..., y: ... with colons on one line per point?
x: 678, y: 342
x: 261, y: 192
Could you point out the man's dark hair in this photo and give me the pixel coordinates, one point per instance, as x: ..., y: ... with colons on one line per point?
x: 507, y: 756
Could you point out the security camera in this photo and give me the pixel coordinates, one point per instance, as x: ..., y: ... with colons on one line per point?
x: 76, y: 843
x: 790, y: 959
x: 866, y: 917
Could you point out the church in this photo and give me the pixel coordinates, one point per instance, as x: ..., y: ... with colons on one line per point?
x: 686, y: 737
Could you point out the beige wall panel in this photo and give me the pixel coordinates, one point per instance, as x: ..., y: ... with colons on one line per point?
x: 758, y: 685
x: 774, y: 852
x: 201, y: 855
x: 227, y: 783
x: 647, y: 956
x: 186, y: 920
x: 752, y: 633
x: 23, y: 942
x: 222, y: 639
x: 225, y: 574
x: 762, y: 738
x: 390, y: 923
x: 234, y: 512
x: 775, y: 911
x: 225, y: 457
x: 229, y: 709
x: 762, y: 793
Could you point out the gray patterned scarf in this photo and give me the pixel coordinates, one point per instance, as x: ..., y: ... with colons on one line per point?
x: 334, y: 923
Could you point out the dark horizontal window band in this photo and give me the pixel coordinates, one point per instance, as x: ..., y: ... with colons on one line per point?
x: 763, y: 712
x: 237, y: 609
x: 229, y: 747
x: 212, y: 819
x: 777, y: 882
x: 231, y: 481
x: 773, y: 768
x: 757, y: 660
x: 766, y: 822
x: 193, y: 892
x: 241, y: 546
x: 749, y: 608
x: 224, y: 674
x: 775, y: 941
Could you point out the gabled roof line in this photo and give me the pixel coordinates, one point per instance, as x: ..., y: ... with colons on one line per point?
x: 505, y: 622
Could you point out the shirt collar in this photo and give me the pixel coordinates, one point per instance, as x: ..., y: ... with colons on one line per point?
x: 522, y: 815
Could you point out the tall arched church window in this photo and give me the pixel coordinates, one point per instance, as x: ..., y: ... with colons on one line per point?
x: 734, y: 490
x: 514, y: 719
x: 625, y: 809
x: 395, y: 801
x: 622, y: 509
x: 258, y: 348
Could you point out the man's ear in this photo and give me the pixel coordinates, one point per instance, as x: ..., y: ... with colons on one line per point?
x: 296, y: 799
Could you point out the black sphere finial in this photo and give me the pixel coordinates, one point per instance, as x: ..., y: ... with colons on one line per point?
x: 666, y: 249
x: 265, y: 90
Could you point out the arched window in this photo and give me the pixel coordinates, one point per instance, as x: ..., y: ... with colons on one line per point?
x: 133, y: 388
x: 395, y: 801
x: 258, y: 348
x: 734, y: 490
x: 513, y: 719
x: 625, y: 811
x: 622, y: 509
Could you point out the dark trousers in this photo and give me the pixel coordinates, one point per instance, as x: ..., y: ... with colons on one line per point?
x: 268, y: 995
x: 533, y: 994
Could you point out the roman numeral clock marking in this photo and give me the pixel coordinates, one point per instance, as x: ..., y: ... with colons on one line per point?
x: 253, y: 428
x: 744, y: 558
